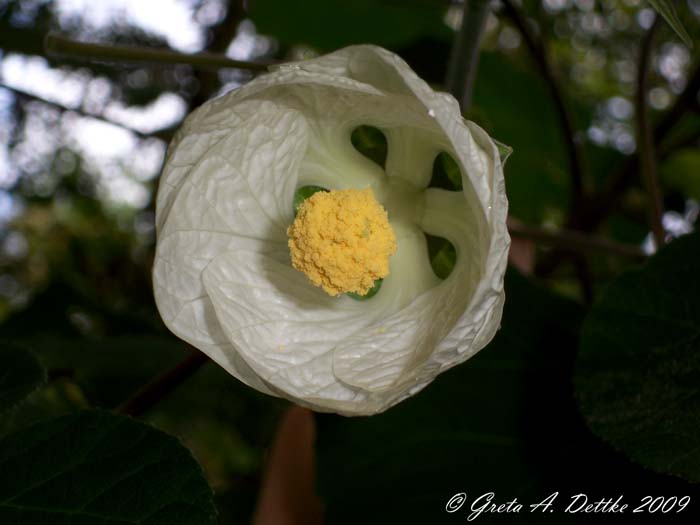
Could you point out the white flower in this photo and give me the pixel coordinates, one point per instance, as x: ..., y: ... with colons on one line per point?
x: 223, y: 279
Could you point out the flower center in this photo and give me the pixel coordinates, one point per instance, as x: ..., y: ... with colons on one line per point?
x: 342, y: 240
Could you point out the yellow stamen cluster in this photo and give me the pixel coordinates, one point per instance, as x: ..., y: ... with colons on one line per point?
x: 342, y: 240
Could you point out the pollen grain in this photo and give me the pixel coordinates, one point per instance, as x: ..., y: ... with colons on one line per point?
x: 342, y: 240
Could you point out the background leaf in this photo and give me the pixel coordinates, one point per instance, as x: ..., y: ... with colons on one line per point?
x: 681, y: 172
x: 638, y: 373
x: 666, y: 9
x: 330, y: 24
x: 516, y: 108
x: 20, y: 374
x: 97, y: 467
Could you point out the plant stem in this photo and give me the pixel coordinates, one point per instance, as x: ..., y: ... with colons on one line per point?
x: 645, y: 139
x: 63, y: 47
x: 162, y: 385
x: 538, y: 51
x: 464, y: 58
x: 574, y: 241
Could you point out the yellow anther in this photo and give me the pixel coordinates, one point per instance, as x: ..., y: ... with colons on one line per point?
x: 342, y: 240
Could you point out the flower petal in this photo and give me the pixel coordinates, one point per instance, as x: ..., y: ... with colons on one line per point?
x: 283, y: 328
x: 222, y: 276
x: 481, y: 319
x: 411, y: 155
x: 374, y: 358
x: 237, y: 194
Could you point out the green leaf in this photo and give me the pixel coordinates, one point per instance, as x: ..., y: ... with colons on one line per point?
x: 97, y: 467
x: 105, y: 367
x: 59, y: 397
x: 681, y: 171
x: 20, y: 374
x: 638, y: 373
x: 513, y: 103
x: 666, y: 9
x: 330, y: 24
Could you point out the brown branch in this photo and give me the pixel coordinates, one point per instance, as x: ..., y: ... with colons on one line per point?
x: 645, y: 139
x: 624, y: 176
x: 163, y: 134
x: 58, y: 46
x: 626, y: 172
x: 537, y: 49
x: 160, y: 386
x: 574, y: 241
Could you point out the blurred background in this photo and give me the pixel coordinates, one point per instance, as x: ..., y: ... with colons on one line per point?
x: 82, y: 142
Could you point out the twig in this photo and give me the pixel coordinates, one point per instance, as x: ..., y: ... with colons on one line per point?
x: 574, y: 241
x: 464, y: 59
x: 161, y: 134
x: 539, y: 53
x: 158, y: 388
x: 625, y: 174
x: 645, y: 139
x: 64, y: 47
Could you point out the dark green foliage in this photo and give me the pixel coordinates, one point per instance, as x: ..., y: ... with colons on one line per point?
x: 20, y: 374
x: 96, y: 467
x: 682, y: 172
x: 504, y: 421
x: 330, y: 24
x: 516, y: 108
x: 666, y: 9
x: 638, y: 373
